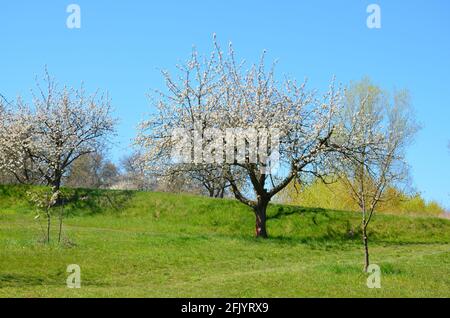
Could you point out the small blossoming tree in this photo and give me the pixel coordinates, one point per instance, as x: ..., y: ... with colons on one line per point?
x: 383, y: 126
x: 40, y: 140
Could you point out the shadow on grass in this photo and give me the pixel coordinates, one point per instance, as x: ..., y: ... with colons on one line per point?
x: 21, y: 280
x: 282, y: 211
x: 394, y: 242
x: 13, y: 190
x: 357, y: 269
x: 77, y: 201
x: 331, y: 240
x: 330, y: 230
x: 92, y: 201
x: 325, y: 241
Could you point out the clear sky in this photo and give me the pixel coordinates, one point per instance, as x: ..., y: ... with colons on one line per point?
x: 122, y: 45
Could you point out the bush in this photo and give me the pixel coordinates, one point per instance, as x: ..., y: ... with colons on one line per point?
x: 337, y: 196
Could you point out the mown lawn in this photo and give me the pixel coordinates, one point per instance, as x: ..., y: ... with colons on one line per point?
x: 132, y: 244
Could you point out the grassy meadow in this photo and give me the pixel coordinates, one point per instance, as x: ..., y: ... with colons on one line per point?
x: 140, y: 244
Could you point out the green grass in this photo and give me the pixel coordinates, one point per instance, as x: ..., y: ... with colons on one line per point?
x: 135, y: 244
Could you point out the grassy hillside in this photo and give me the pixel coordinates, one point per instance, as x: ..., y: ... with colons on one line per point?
x: 156, y: 244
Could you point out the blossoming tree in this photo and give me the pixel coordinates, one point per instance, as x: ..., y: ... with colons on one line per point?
x: 383, y: 126
x: 39, y: 141
x: 216, y: 94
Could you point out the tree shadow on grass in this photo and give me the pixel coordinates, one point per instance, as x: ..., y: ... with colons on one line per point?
x: 11, y: 190
x: 331, y: 231
x: 278, y: 211
x: 77, y: 201
x: 330, y: 239
x: 92, y: 201
x: 26, y: 280
x: 394, y: 242
x: 21, y: 280
x: 338, y: 241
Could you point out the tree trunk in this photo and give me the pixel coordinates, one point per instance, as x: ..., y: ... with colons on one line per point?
x: 48, y: 225
x: 61, y: 215
x: 260, y: 213
x: 366, y: 247
x: 56, y: 186
x: 219, y: 193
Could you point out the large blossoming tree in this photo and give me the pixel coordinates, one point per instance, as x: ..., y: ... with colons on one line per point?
x: 213, y: 94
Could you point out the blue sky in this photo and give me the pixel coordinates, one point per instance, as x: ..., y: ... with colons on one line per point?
x: 122, y: 45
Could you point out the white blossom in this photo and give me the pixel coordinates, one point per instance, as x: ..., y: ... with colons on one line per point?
x: 39, y: 141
